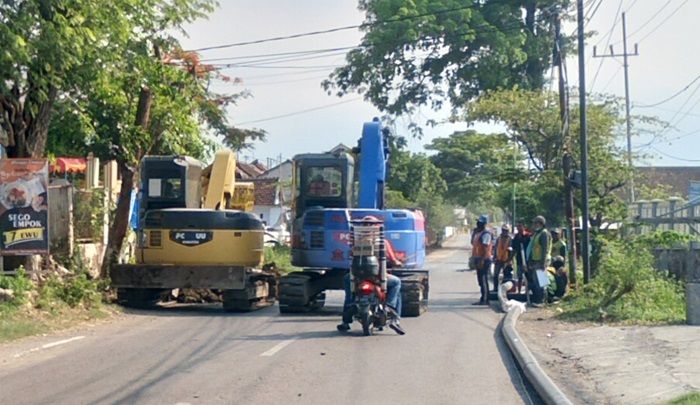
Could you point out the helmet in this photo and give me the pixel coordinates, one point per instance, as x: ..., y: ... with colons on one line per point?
x: 483, y: 219
x: 557, y: 262
x: 505, y: 227
x: 540, y: 219
x: 555, y: 231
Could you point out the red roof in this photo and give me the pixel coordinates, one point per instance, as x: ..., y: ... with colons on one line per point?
x: 69, y: 165
x: 266, y: 192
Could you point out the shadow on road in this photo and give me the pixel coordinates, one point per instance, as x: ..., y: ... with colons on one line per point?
x: 195, y: 310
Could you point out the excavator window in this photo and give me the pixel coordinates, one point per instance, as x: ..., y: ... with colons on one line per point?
x: 324, y: 182
x: 170, y: 188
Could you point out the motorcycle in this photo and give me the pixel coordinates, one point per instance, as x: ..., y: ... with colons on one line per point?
x: 368, y: 275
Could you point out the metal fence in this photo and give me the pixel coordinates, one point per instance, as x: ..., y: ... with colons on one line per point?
x: 673, y: 214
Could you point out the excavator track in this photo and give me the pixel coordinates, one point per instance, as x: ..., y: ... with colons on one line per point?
x: 259, y: 293
x: 297, y: 293
x: 414, y: 295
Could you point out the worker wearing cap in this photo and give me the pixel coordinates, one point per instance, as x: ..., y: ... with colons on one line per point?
x: 504, y: 254
x: 539, y: 256
x: 559, y: 244
x: 482, y: 247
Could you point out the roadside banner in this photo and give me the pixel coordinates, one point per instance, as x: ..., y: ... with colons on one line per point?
x: 24, y: 211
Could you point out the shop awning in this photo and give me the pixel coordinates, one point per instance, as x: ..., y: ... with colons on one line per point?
x: 69, y: 165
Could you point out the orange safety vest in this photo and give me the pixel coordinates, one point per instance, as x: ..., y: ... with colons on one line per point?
x: 502, y: 252
x: 481, y: 250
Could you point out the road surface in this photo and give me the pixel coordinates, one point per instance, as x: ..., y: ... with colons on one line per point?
x: 197, y: 354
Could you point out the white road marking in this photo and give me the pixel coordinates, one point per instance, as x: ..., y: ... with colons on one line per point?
x: 276, y: 348
x: 48, y: 346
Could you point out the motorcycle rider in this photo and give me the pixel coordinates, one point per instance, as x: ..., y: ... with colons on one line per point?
x: 393, y: 294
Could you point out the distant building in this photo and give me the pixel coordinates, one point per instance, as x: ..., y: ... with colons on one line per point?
x: 679, y: 179
x: 340, y: 148
x: 246, y: 171
x: 269, y: 201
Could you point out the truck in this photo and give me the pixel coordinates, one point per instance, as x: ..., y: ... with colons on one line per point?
x: 325, y: 201
x: 194, y: 232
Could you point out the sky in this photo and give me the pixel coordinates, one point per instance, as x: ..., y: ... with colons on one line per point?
x: 289, y: 103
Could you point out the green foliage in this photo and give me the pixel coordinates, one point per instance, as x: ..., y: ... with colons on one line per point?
x: 281, y: 256
x: 89, y: 213
x: 415, y: 182
x: 627, y: 288
x: 476, y: 166
x: 436, y: 51
x: 19, y: 284
x: 662, y: 239
x: 76, y: 290
x: 533, y: 122
x: 688, y: 399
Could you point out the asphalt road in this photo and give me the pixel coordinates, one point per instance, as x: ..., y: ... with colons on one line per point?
x: 197, y: 354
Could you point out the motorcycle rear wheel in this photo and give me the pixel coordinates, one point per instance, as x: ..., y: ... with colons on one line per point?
x: 367, y: 326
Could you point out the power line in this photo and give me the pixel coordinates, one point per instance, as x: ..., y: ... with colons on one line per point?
x: 607, y: 42
x: 656, y: 14
x: 674, y: 157
x: 343, y: 28
x: 323, y: 107
x: 294, y: 53
x: 236, y: 65
x: 664, y: 21
x: 674, y: 95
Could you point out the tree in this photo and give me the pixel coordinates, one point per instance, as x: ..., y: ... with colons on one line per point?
x: 427, y: 52
x: 155, y: 104
x: 476, y: 166
x: 147, y: 96
x: 415, y: 182
x: 532, y: 119
x: 47, y: 45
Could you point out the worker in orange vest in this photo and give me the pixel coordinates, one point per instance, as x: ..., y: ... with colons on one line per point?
x: 504, y: 254
x: 482, y: 246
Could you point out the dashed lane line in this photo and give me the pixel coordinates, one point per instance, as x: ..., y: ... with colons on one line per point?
x: 276, y: 348
x: 48, y: 346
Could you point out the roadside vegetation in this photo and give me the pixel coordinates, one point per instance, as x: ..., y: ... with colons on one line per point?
x: 689, y: 399
x: 53, y: 303
x: 628, y: 288
x: 281, y: 257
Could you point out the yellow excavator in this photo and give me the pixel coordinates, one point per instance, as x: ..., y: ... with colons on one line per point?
x: 195, y: 231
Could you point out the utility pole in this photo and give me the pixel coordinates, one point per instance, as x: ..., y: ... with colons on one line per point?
x: 585, y: 243
x: 567, y: 159
x: 625, y: 55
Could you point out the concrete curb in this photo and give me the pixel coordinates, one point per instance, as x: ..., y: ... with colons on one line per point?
x: 545, y: 387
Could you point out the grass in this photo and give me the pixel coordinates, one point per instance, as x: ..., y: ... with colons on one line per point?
x: 281, y: 256
x: 627, y: 290
x: 57, y: 303
x: 17, y: 323
x: 689, y: 399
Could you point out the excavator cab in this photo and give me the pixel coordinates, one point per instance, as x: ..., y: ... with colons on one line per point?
x: 170, y: 182
x: 322, y: 180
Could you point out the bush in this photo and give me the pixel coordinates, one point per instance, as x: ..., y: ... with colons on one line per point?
x: 19, y: 284
x: 281, y: 256
x: 627, y: 288
x: 73, y: 291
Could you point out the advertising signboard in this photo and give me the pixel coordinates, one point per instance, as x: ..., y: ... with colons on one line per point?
x: 24, y: 218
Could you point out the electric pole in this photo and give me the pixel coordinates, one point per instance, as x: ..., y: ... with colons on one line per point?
x: 585, y: 243
x: 625, y: 55
x: 567, y: 159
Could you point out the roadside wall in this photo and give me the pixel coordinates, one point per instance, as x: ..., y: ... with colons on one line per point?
x: 683, y: 261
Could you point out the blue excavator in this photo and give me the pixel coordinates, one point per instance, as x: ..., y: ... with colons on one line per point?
x: 325, y: 201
